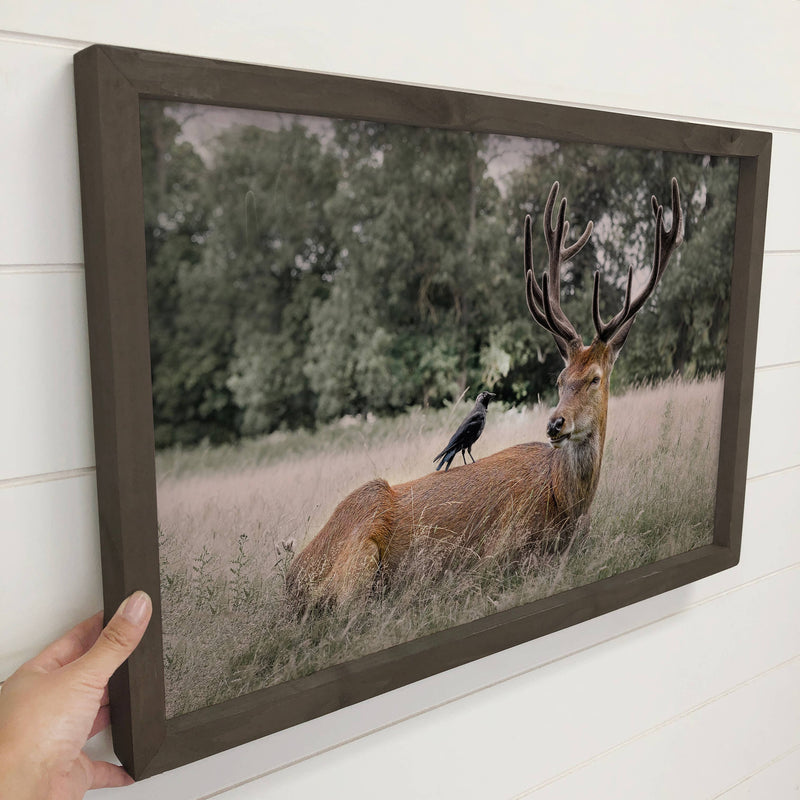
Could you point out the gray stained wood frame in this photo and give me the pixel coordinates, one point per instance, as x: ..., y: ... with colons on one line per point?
x: 109, y: 83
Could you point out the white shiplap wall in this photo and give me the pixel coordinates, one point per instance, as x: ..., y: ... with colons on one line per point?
x: 693, y: 694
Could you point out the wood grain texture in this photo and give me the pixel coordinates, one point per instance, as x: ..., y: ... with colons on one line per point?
x: 119, y: 349
x: 109, y: 83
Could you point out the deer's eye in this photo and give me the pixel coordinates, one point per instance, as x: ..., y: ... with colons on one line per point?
x: 596, y: 380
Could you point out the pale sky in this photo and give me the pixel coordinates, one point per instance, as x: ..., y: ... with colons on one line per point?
x: 201, y: 124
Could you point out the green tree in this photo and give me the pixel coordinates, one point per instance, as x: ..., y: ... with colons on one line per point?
x: 185, y: 407
x: 330, y: 268
x: 684, y: 330
x: 272, y: 240
x: 415, y: 220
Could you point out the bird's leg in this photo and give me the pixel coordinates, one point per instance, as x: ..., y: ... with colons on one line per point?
x: 469, y: 450
x: 464, y: 457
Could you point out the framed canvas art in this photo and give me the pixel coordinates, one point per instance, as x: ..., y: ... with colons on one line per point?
x: 389, y: 378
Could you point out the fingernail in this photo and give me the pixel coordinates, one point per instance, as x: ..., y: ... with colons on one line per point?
x: 135, y: 608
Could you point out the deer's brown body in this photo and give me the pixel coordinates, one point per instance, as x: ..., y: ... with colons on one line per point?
x: 529, y: 495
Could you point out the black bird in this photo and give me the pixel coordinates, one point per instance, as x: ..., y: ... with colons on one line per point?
x: 467, y: 434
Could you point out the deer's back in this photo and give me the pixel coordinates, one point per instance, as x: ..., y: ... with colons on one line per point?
x: 502, y: 500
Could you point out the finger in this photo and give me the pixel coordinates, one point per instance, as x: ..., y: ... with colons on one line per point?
x: 118, y: 639
x: 101, y: 721
x: 105, y: 775
x: 71, y: 645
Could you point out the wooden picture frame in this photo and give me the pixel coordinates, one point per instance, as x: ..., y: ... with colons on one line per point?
x: 110, y: 82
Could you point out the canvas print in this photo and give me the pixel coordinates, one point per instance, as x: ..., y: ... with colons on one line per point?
x: 405, y: 378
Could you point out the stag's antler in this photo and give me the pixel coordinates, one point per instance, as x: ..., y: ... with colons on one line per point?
x: 544, y: 303
x: 616, y: 330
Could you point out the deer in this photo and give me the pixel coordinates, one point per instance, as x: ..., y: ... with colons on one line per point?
x: 536, y: 494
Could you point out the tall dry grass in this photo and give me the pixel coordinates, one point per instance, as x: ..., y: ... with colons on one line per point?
x: 224, y: 512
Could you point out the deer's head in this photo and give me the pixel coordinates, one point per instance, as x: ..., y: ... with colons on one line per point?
x: 584, y: 382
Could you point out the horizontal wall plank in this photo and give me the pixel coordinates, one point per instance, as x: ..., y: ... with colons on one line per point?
x: 40, y: 208
x: 700, y: 754
x: 780, y: 778
x: 783, y: 202
x: 731, y: 66
x: 45, y: 408
x: 769, y: 542
x: 530, y: 730
x: 769, y: 536
x: 779, y: 320
x: 775, y: 427
x: 50, y: 566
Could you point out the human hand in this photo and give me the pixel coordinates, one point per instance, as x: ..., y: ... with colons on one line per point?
x: 56, y: 701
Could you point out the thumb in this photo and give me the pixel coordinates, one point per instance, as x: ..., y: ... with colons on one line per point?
x: 119, y: 638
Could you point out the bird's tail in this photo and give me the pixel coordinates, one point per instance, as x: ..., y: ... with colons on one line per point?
x: 447, y: 456
x: 442, y: 455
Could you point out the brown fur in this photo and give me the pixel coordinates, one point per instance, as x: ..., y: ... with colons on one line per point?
x: 530, y: 494
x: 343, y: 558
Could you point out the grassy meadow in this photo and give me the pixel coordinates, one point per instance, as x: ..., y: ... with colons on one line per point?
x: 226, y: 514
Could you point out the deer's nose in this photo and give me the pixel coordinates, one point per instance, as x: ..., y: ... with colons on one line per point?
x: 554, y: 427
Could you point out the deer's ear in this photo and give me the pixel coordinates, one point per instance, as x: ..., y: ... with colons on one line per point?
x: 617, y: 341
x: 570, y: 350
x: 563, y: 347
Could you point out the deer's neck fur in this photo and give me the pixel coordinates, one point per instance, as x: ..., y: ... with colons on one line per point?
x: 576, y: 470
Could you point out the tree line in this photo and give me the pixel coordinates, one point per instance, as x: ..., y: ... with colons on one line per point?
x: 299, y: 274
